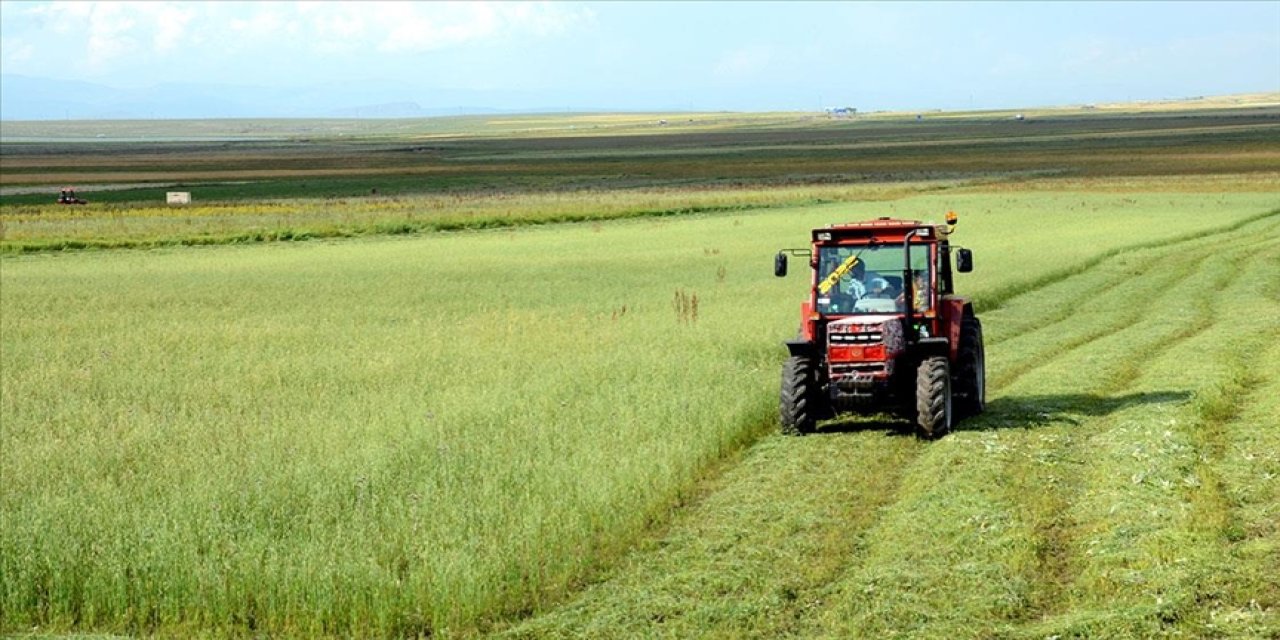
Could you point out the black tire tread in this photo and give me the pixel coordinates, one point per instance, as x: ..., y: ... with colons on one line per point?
x: 933, y: 384
x: 800, y: 405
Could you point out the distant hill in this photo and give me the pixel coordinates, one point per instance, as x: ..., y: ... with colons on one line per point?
x: 30, y: 98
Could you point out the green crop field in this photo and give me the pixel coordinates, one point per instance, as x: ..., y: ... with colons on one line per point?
x: 568, y: 430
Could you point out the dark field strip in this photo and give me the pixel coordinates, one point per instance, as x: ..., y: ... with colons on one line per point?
x: 809, y: 153
x: 1122, y: 487
x: 806, y: 131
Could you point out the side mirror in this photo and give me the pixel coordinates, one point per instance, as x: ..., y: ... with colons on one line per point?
x: 780, y: 264
x: 964, y: 261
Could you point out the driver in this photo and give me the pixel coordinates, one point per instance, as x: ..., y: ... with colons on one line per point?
x: 878, y: 287
x: 854, y: 284
x: 864, y: 284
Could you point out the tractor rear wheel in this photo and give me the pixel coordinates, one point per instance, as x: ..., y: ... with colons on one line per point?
x: 801, y: 396
x: 933, y: 398
x: 971, y: 369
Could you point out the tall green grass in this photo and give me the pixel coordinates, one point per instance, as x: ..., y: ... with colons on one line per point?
x: 418, y: 435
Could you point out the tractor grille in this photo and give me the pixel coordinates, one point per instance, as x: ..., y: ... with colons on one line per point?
x: 865, y: 337
x: 854, y: 336
x: 844, y: 369
x: 857, y: 354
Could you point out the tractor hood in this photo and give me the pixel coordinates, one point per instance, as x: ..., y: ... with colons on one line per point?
x: 868, y: 320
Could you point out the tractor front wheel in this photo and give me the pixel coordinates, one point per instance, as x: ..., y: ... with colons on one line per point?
x: 801, y: 396
x: 933, y: 398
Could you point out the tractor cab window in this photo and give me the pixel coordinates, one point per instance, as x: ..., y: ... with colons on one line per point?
x: 868, y: 279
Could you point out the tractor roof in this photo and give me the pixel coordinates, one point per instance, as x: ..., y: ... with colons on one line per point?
x: 878, y: 228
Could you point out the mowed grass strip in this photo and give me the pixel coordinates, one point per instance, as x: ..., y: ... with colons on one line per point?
x: 754, y: 555
x: 1160, y: 552
x: 1070, y: 512
x: 1241, y: 474
x: 420, y: 435
x: 1113, y: 296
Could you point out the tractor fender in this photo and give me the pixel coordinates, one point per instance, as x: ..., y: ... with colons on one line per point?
x: 954, y: 309
x: 803, y: 348
x: 936, y: 346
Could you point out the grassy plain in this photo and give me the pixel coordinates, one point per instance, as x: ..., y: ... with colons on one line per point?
x: 420, y: 434
x: 454, y: 434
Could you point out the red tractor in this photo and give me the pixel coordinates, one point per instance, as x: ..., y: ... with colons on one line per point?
x: 68, y: 196
x: 882, y: 329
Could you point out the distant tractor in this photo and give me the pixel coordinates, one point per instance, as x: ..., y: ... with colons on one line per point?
x: 68, y: 196
x: 882, y: 331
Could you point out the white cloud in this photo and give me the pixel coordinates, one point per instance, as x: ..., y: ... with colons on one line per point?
x: 110, y: 31
x: 170, y: 27
x: 264, y: 24
x: 433, y: 26
x: 63, y: 17
x: 546, y: 19
x: 110, y: 28
x: 401, y: 27
x: 414, y: 30
x: 99, y: 38
x: 15, y: 50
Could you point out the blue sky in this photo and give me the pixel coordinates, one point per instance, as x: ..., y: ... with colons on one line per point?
x: 703, y: 56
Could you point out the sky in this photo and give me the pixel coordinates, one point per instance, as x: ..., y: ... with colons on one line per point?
x: 749, y: 56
